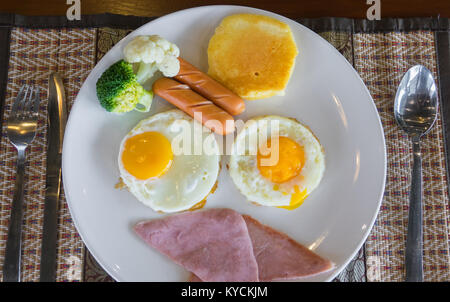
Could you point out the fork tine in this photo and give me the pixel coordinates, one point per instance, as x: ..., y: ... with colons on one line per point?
x: 29, y: 101
x: 19, y: 98
x: 23, y: 101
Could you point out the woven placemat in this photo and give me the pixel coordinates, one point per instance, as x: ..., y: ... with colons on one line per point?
x: 34, y: 54
x: 379, y: 58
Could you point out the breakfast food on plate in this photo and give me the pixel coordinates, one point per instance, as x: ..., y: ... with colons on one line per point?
x: 213, y: 244
x: 201, y: 97
x: 152, y: 53
x: 279, y: 257
x: 223, y: 245
x: 183, y: 97
x: 119, y: 91
x: 157, y: 174
x: 253, y: 55
x: 276, y: 167
x: 204, y: 85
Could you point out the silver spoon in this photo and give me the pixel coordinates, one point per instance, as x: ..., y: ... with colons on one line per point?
x: 415, y: 110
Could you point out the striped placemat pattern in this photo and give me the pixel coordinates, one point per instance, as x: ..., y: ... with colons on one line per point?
x: 380, y: 59
x: 34, y: 54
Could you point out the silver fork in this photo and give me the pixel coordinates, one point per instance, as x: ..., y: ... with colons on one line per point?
x: 21, y: 130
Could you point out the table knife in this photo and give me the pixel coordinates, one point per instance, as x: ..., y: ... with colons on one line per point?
x: 57, y: 117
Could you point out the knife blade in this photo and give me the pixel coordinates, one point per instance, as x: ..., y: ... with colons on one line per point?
x: 57, y: 117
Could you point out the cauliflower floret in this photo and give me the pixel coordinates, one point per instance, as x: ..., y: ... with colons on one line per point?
x: 170, y: 66
x: 143, y: 49
x: 156, y: 52
x: 169, y: 48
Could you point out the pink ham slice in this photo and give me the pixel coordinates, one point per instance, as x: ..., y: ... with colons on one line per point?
x: 213, y: 244
x: 281, y: 258
x: 278, y: 256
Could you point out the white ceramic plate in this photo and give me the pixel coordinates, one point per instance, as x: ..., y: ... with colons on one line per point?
x: 324, y: 92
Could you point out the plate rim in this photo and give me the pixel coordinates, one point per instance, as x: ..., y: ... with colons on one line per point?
x: 336, y: 271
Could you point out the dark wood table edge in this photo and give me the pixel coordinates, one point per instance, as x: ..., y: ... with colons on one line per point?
x: 316, y: 24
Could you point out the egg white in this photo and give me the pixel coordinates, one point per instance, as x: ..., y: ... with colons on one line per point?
x: 189, y: 179
x: 244, y: 171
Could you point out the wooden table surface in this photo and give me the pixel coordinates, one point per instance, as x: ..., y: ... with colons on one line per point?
x: 289, y: 8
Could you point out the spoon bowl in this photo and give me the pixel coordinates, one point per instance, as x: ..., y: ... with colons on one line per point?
x: 416, y: 102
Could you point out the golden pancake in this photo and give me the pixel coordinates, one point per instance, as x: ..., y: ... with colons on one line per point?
x: 252, y: 55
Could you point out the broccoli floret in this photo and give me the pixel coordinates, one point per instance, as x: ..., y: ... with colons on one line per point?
x: 119, y: 91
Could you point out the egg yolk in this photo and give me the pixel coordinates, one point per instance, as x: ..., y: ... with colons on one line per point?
x: 291, y: 159
x: 147, y: 155
x: 297, y: 199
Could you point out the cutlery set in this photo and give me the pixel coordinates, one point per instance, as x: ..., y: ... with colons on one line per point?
x: 21, y: 130
x: 415, y: 110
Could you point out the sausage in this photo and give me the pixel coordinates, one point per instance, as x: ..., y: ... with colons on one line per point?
x: 183, y: 97
x: 209, y: 88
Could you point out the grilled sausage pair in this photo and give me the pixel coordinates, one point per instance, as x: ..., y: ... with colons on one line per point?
x: 195, y: 92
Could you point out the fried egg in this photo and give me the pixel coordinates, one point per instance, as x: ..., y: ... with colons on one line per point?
x: 276, y: 161
x: 165, y: 166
